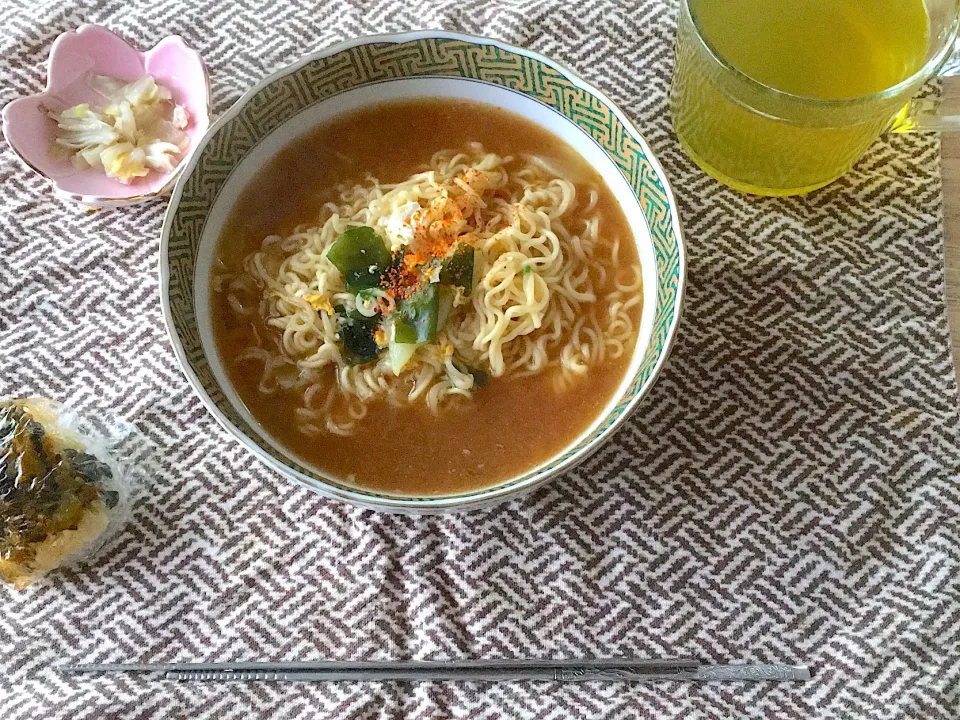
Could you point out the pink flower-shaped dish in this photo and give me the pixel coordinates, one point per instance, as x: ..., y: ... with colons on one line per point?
x: 76, y: 56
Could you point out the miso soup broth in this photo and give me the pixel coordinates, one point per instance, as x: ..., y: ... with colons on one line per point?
x: 426, y: 298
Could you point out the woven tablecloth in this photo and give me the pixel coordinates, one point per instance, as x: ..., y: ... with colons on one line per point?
x: 788, y: 491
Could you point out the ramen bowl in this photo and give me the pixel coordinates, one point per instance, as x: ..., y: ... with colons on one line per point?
x: 371, y: 71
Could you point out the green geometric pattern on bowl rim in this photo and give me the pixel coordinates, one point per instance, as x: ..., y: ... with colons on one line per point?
x: 325, y: 77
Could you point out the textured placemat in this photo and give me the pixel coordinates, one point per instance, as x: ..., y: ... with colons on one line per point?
x: 788, y: 492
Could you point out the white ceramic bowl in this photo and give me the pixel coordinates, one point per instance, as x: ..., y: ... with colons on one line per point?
x: 364, y: 72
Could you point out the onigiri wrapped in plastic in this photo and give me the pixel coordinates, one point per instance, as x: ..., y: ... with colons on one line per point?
x: 61, y: 491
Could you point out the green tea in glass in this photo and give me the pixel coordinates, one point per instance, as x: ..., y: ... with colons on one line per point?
x: 781, y: 97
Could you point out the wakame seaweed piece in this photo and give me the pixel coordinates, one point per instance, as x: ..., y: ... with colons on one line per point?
x: 480, y: 378
x: 361, y: 257
x: 415, y: 319
x: 458, y: 268
x: 356, y: 336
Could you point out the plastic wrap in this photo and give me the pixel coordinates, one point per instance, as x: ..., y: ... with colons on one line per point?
x: 65, y: 488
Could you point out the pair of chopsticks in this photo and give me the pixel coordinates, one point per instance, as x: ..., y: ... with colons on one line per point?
x: 594, y: 670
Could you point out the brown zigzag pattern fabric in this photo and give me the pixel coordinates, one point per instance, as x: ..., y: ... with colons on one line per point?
x: 788, y: 492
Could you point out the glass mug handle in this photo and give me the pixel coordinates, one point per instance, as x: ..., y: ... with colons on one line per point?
x: 928, y: 114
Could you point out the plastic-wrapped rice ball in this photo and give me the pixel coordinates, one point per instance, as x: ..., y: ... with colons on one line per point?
x: 59, y: 491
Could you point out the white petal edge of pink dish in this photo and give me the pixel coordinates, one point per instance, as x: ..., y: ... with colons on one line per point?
x: 75, y: 57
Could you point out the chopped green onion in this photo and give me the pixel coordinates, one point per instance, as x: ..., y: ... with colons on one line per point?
x: 368, y: 295
x: 368, y: 301
x: 400, y: 355
x: 361, y: 256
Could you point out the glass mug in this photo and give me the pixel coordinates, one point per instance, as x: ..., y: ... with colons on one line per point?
x: 765, y: 141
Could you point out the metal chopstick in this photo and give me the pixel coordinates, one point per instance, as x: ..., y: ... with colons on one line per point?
x: 593, y: 670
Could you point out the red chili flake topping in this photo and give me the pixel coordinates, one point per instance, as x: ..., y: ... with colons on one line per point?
x: 438, y: 229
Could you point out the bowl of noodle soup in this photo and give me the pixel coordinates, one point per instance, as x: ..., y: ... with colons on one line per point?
x: 422, y: 272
